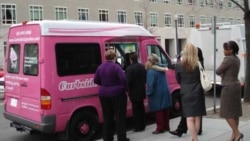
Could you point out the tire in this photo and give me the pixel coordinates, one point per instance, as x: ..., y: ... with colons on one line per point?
x: 176, y: 104
x: 83, y: 126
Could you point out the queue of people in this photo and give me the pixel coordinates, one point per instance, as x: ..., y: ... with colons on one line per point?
x: 149, y: 80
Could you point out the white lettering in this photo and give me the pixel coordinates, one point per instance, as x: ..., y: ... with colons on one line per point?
x: 77, y: 84
x: 24, y: 39
x: 16, y: 77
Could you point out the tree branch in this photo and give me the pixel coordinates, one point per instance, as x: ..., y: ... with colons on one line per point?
x: 242, y: 8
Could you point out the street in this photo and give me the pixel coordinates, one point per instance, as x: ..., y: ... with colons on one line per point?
x: 10, y: 134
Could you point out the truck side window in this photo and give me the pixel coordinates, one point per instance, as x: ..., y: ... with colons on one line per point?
x: 14, y: 59
x: 159, y: 52
x: 77, y: 58
x: 30, y: 59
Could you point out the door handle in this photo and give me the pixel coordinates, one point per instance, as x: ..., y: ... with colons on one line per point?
x: 24, y: 84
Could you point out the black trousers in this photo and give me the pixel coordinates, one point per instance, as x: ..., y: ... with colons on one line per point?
x: 138, y: 110
x: 114, y: 109
x: 182, y: 127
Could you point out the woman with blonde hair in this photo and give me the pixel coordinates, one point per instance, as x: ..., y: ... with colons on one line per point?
x: 188, y: 76
x: 159, y: 98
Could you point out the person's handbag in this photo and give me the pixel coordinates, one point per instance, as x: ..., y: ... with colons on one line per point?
x: 205, y: 81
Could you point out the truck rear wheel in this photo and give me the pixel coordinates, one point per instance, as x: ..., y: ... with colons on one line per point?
x: 83, y: 126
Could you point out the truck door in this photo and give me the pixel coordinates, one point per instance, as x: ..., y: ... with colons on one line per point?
x: 23, y: 81
x: 30, y: 82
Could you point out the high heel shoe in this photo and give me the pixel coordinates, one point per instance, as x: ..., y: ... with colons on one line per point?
x: 240, y: 137
x: 176, y: 133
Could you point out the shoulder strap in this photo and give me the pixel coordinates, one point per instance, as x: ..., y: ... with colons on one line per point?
x: 200, y: 67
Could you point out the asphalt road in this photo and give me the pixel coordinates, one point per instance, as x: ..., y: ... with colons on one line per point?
x: 10, y: 134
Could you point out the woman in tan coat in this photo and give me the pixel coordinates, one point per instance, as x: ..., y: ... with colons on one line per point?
x: 230, y: 104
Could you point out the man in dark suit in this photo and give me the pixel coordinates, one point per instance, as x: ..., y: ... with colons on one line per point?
x: 136, y: 77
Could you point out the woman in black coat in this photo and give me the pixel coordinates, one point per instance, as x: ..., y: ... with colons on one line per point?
x: 192, y: 94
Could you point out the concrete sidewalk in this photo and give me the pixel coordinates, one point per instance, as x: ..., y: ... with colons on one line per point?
x: 214, y: 129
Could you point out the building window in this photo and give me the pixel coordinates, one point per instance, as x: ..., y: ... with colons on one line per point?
x: 229, y: 4
x: 238, y: 21
x: 168, y: 20
x: 230, y: 20
x: 103, y: 15
x: 138, y: 18
x: 83, y: 14
x: 179, y: 1
x: 222, y: 20
x: 203, y: 19
x: 8, y: 13
x: 211, y: 3
x: 192, y: 21
x: 191, y: 2
x: 122, y: 16
x: 154, y: 19
x: 180, y: 21
x: 221, y: 4
x: 202, y: 3
x: 36, y: 13
x: 167, y: 1
x: 61, y: 13
x: 153, y: 1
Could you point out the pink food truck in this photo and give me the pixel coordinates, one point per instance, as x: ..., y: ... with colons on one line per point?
x: 49, y: 70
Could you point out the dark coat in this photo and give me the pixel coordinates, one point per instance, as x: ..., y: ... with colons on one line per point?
x: 136, y: 77
x: 193, y: 102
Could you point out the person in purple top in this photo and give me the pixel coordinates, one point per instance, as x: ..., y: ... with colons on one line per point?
x: 113, y: 97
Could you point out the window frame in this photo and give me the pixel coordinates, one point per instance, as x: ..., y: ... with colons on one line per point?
x: 192, y: 20
x: 32, y: 61
x: 122, y: 16
x: 103, y: 15
x: 36, y: 10
x: 138, y: 18
x: 154, y: 19
x: 17, y: 60
x: 83, y: 12
x: 77, y: 58
x: 61, y: 13
x: 168, y: 19
x: 11, y: 8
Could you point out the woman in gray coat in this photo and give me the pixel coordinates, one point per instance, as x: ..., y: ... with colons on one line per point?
x: 188, y: 75
x: 230, y: 102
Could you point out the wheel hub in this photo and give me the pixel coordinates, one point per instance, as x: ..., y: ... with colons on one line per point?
x: 84, y: 128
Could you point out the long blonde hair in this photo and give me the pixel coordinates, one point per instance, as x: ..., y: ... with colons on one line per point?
x: 190, y: 57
